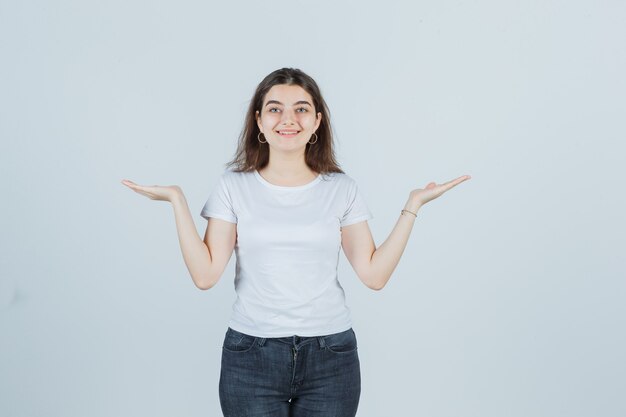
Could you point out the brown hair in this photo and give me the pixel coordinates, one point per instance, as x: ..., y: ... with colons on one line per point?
x: 252, y: 154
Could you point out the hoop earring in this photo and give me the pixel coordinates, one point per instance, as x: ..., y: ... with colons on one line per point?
x: 315, y: 141
x: 259, y: 138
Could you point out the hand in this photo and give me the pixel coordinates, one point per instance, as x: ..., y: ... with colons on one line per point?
x: 422, y: 196
x: 155, y: 192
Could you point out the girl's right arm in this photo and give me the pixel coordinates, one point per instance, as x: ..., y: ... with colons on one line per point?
x: 196, y: 253
x: 205, y: 259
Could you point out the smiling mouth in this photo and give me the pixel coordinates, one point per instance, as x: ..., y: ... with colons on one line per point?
x: 288, y: 133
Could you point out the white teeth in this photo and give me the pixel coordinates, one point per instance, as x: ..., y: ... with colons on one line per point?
x: 287, y: 133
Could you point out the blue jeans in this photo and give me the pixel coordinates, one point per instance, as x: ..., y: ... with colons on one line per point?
x: 291, y: 376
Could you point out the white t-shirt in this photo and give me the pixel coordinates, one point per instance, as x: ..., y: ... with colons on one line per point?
x: 287, y: 251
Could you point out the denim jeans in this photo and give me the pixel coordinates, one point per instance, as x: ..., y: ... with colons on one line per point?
x: 291, y: 376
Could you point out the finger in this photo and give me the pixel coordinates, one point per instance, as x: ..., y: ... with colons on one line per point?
x: 141, y: 190
x: 147, y: 193
x: 453, y: 183
x: 130, y: 184
x: 138, y: 187
x: 134, y: 187
x: 458, y: 180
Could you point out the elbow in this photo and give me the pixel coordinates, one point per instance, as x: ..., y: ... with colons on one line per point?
x: 204, y: 287
x: 204, y: 284
x: 376, y: 285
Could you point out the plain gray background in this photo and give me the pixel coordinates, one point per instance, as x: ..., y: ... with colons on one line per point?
x: 509, y: 298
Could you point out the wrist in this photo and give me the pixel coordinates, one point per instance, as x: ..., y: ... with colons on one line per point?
x: 178, y: 197
x: 412, y: 206
x: 408, y: 213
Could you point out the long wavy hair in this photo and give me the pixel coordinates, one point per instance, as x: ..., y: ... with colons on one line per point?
x: 252, y: 154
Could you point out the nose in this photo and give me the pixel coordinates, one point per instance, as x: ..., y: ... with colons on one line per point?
x: 287, y: 117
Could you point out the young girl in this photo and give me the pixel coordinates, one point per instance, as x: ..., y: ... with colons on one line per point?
x: 286, y: 209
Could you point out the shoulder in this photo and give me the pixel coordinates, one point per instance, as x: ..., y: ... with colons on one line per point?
x: 344, y: 182
x: 231, y: 173
x: 338, y: 178
x: 231, y: 177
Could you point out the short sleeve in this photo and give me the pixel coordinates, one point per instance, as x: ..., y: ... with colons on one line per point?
x: 219, y: 204
x: 356, y: 208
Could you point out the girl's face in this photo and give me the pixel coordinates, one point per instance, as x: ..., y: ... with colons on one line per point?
x: 287, y: 118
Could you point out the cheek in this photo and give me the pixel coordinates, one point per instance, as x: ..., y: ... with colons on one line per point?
x: 307, y: 120
x: 269, y: 119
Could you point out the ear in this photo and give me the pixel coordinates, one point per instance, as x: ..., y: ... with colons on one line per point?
x: 319, y: 120
x: 258, y: 120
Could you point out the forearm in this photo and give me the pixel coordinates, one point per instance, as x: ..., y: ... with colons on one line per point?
x: 195, y: 252
x: 386, y: 257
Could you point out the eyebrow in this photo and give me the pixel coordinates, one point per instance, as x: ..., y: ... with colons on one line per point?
x: 278, y: 102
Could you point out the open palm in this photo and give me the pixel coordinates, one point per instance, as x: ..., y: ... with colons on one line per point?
x: 433, y: 190
x: 154, y: 192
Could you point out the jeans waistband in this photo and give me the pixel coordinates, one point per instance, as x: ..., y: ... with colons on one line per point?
x: 295, y: 341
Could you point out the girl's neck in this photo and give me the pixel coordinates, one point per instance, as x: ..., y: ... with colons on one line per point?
x: 285, y: 176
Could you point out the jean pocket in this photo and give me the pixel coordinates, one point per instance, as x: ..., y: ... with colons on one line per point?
x: 343, y: 342
x: 235, y: 341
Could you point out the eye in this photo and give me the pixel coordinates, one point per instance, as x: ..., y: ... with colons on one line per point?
x: 304, y: 109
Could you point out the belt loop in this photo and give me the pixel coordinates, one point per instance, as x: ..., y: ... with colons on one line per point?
x: 321, y: 341
x: 261, y: 340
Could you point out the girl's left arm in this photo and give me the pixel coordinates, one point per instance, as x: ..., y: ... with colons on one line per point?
x: 374, y: 266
